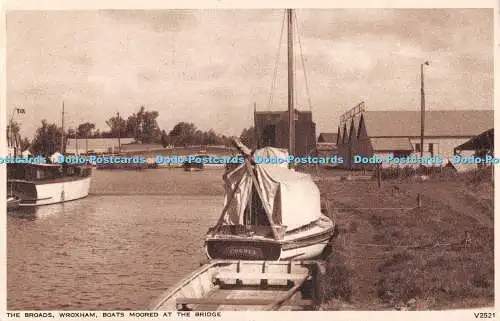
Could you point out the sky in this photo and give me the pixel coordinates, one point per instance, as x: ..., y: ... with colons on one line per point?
x: 210, y: 66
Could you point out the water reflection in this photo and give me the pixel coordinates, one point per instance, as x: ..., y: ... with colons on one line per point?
x: 28, y: 213
x: 108, y: 251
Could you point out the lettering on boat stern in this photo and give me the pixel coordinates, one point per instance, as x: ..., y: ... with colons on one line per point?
x: 243, y: 252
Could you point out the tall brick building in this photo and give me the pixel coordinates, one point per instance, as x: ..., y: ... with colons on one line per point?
x: 272, y: 130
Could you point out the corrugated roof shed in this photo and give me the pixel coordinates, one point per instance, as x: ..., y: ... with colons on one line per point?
x: 451, y: 123
x: 485, y: 140
x: 327, y: 138
x: 354, y: 124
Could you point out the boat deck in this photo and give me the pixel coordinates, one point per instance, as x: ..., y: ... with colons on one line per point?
x: 238, y: 300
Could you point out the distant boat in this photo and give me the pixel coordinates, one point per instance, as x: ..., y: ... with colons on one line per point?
x: 43, y: 184
x: 198, y: 164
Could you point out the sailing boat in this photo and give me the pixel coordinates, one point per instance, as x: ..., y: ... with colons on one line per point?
x: 34, y: 184
x: 271, y: 212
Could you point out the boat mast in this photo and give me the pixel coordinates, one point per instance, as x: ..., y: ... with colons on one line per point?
x: 119, y: 130
x: 291, y: 112
x: 11, y: 141
x: 62, y: 124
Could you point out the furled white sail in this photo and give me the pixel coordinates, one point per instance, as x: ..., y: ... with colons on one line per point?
x: 292, y: 197
x: 54, y: 158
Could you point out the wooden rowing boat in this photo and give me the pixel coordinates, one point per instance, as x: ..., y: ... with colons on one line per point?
x: 246, y: 285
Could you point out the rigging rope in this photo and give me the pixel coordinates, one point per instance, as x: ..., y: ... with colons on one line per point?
x: 302, y: 60
x: 303, y: 63
x: 273, y: 83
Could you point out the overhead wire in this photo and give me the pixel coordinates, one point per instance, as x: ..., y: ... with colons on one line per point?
x: 303, y: 63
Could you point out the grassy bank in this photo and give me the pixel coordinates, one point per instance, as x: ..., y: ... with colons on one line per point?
x: 391, y: 254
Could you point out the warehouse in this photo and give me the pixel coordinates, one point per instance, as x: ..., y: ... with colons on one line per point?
x: 397, y: 133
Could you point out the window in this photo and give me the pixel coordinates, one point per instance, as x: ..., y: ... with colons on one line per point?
x: 417, y: 147
x: 269, y: 135
x: 402, y: 153
x: 431, y: 149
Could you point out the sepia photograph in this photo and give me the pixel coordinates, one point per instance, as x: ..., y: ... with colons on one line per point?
x: 181, y: 162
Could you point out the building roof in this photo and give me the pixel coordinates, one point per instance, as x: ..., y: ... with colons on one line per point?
x: 450, y: 123
x: 95, y: 144
x: 391, y: 144
x: 279, y: 112
x: 327, y: 138
x: 485, y: 140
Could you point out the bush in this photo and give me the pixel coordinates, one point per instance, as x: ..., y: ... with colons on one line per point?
x: 335, y: 283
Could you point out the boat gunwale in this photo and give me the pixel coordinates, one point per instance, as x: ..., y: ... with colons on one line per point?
x: 181, y: 283
x: 193, y: 275
x: 259, y: 238
x: 63, y: 179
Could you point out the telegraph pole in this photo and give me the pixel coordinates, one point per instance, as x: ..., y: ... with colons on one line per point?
x: 291, y: 111
x: 62, y: 124
x: 422, y: 108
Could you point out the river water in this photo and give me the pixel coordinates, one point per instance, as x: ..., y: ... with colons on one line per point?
x: 133, y: 237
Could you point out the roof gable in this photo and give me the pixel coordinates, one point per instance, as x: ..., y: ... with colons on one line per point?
x: 345, y: 137
x: 361, y: 128
x: 353, y: 131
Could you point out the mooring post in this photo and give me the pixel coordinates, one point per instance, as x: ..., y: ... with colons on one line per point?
x: 379, y: 176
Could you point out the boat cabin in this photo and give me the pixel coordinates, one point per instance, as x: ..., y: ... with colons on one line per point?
x: 45, y: 172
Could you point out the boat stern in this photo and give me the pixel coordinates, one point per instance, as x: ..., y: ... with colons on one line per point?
x: 232, y: 248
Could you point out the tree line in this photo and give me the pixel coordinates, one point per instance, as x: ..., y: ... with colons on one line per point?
x: 142, y: 126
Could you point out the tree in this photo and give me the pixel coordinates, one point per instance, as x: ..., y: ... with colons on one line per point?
x: 198, y: 137
x: 97, y: 134
x: 117, y: 126
x: 71, y: 133
x: 25, y: 143
x: 47, y: 139
x: 143, y: 126
x: 150, y: 128
x: 13, y: 134
x: 183, y: 134
x: 210, y: 138
x: 164, y: 139
x: 85, y: 129
x: 247, y: 137
x: 131, y: 127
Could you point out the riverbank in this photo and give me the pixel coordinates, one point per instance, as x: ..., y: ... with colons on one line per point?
x: 391, y: 254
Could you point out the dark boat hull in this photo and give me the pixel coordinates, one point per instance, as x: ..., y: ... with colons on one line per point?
x: 305, y: 243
